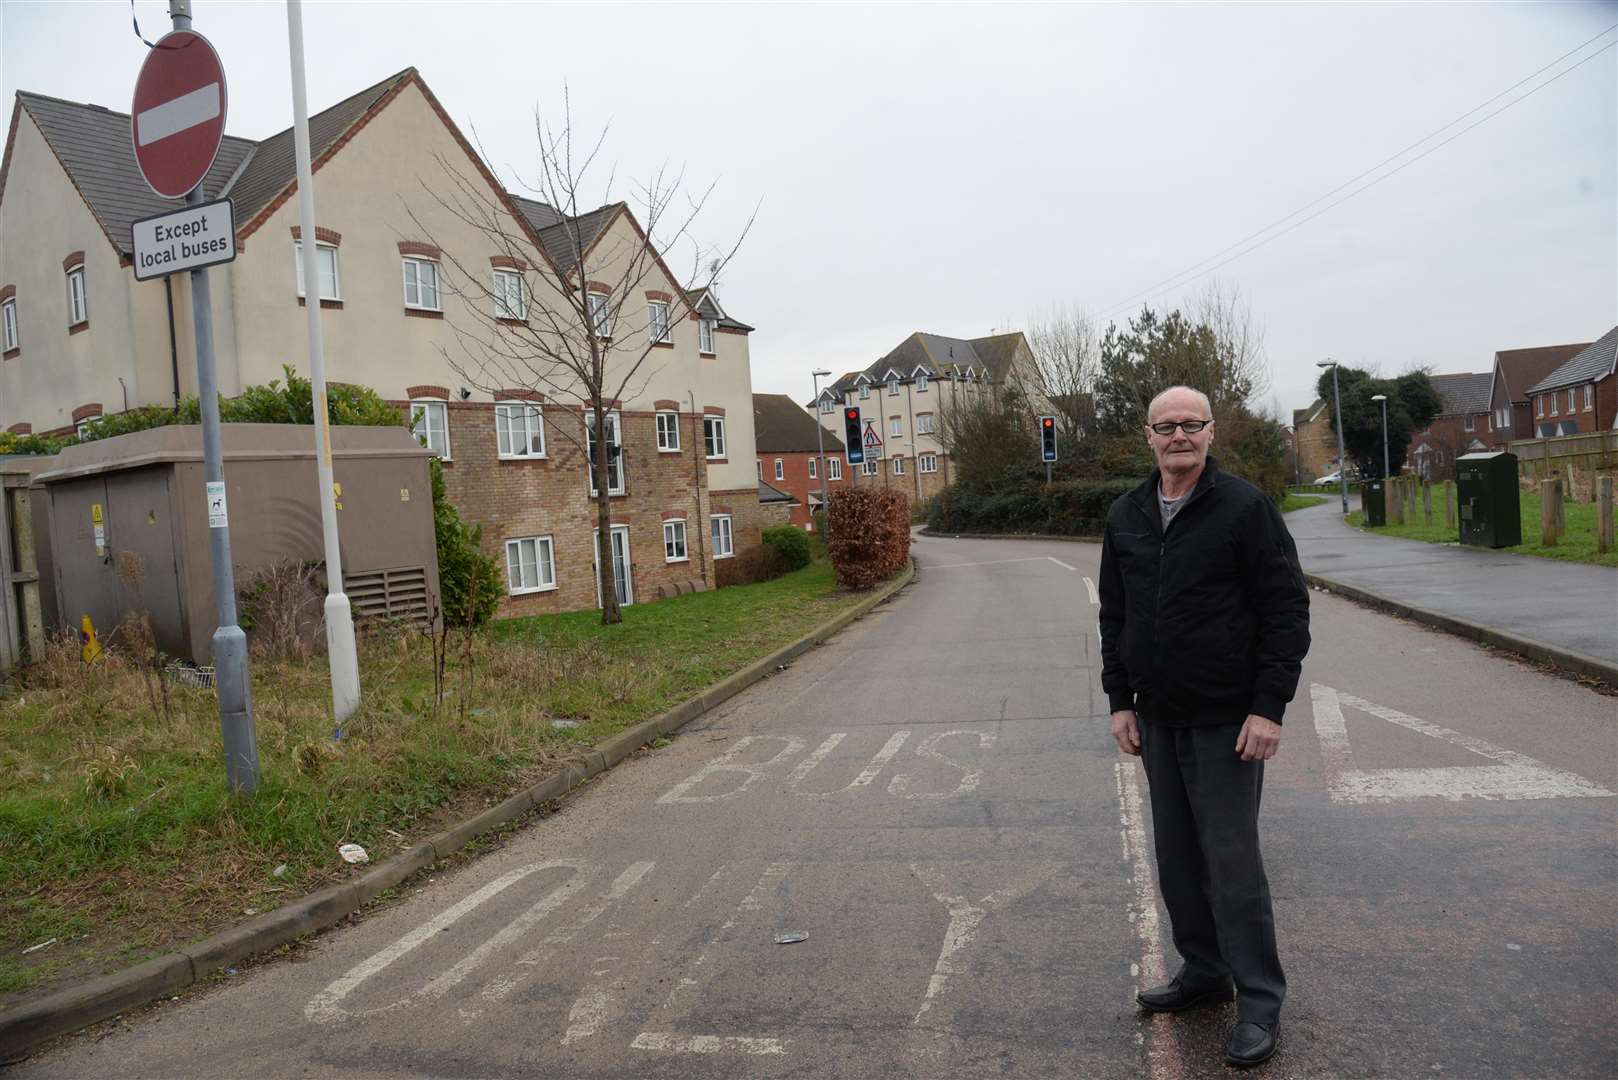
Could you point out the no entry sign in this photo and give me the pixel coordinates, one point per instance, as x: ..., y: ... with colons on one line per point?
x: 178, y: 116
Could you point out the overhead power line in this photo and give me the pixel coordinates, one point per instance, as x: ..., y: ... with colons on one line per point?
x: 1202, y: 269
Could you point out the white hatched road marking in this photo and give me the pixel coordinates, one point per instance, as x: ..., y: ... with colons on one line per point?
x: 1062, y: 564
x: 706, y: 1044
x: 178, y: 114
x: 1516, y: 776
x: 1090, y: 587
x: 964, y: 918
x: 323, y: 1008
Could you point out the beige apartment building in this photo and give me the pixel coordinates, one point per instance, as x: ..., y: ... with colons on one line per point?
x: 903, y: 396
x: 406, y: 283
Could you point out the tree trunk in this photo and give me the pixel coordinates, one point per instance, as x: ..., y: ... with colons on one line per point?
x: 610, y: 612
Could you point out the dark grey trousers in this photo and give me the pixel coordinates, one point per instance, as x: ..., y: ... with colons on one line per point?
x: 1205, y: 802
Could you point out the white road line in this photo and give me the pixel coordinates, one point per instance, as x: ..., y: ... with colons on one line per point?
x: 880, y: 761
x: 1090, y: 587
x: 1163, y: 1055
x: 323, y: 1008
x: 510, y: 933
x: 964, y: 918
x: 928, y: 748
x: 723, y: 764
x: 172, y: 117
x: 588, y: 1015
x: 806, y: 766
x: 707, y: 1044
x: 990, y: 562
x: 773, y: 875
x: 1062, y: 564
x: 1515, y: 776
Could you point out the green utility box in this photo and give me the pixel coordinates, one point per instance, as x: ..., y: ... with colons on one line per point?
x: 1374, y: 502
x: 1491, y: 512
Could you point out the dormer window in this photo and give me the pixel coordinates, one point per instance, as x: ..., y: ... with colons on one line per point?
x: 705, y: 336
x: 921, y: 383
x: 893, y: 386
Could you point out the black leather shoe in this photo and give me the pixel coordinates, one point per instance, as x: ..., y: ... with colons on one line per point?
x: 1177, y: 997
x: 1250, y: 1043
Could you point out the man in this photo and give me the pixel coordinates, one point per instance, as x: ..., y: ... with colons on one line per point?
x: 1204, y: 627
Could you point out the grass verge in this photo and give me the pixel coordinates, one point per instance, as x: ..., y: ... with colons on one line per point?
x: 1576, y: 544
x: 1299, y: 502
x: 118, y: 838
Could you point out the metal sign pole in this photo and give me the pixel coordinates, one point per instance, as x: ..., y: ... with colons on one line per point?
x: 231, y: 676
x: 341, y: 652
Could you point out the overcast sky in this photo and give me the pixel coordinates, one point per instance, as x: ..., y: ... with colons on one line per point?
x: 958, y: 169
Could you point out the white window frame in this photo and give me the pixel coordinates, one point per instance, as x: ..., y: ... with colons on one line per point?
x: 503, y: 281
x: 615, y: 439
x: 600, y: 305
x: 927, y: 463
x: 8, y: 317
x: 1572, y: 401
x: 78, y: 300
x: 674, y: 541
x: 543, y: 567
x: 898, y: 464
x: 814, y: 470
x: 705, y: 329
x: 1589, y: 396
x: 924, y: 423
x: 668, y: 432
x: 896, y: 426
x: 834, y: 468
x: 921, y: 383
x: 336, y: 269
x: 870, y: 468
x: 780, y: 469
x: 865, y: 391
x: 420, y: 265
x: 713, y: 438
x: 827, y: 405
x: 722, y: 532
x: 893, y: 386
x: 424, y: 407
x: 80, y: 426
x: 507, y: 417
x: 1539, y: 405
x: 1467, y: 424
x: 659, y: 327
x: 1555, y: 401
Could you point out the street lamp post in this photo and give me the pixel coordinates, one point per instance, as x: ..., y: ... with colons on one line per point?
x: 820, y: 447
x: 1383, y: 398
x: 1337, y: 415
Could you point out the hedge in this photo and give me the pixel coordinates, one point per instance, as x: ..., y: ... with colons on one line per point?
x: 1063, y: 508
x: 868, y: 534
x: 791, y: 542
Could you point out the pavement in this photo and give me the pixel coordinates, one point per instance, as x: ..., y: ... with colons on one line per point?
x: 1567, y: 607
x: 933, y: 801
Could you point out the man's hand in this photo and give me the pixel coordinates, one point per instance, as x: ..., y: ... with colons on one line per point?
x: 1126, y: 731
x: 1259, y: 740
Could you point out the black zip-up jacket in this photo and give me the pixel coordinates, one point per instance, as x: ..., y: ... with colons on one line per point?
x: 1208, y: 622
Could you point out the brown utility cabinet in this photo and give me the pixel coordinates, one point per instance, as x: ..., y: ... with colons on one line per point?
x: 146, y: 493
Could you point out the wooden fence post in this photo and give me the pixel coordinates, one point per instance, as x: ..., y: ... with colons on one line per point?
x: 1561, y: 511
x: 1547, y: 513
x: 1604, y: 514
x: 1427, y: 504
x: 1394, y: 500
x: 1410, y: 499
x: 1449, y: 504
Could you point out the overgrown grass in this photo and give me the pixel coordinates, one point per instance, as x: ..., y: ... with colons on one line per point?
x: 1576, y: 544
x: 1299, y: 502
x: 118, y: 836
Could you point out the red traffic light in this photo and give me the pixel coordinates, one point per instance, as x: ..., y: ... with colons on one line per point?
x: 853, y: 414
x: 1049, y: 421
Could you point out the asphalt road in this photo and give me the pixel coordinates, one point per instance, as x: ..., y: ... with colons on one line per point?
x: 933, y: 799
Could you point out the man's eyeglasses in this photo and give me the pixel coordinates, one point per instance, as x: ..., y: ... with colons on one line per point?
x: 1191, y: 427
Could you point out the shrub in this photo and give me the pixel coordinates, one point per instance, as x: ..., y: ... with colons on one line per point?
x: 869, y: 534
x: 469, y: 583
x: 1063, y: 508
x: 791, y: 542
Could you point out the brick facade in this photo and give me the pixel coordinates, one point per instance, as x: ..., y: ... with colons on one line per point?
x: 550, y: 496
x: 748, y: 520
x: 797, y: 482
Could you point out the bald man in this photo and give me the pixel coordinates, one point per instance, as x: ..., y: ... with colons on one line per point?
x: 1204, y: 627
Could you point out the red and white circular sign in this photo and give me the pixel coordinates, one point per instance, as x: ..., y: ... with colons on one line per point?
x: 177, y: 119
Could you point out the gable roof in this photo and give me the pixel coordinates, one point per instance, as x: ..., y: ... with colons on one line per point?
x: 768, y: 494
x: 1463, y: 394
x: 1594, y: 361
x: 1304, y: 416
x: 1524, y: 368
x: 781, y: 426
x: 94, y: 147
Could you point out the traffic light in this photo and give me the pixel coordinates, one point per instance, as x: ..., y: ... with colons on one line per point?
x: 1047, y: 438
x: 852, y: 435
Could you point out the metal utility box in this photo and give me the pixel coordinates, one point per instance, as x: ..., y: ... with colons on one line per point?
x: 1373, y: 502
x: 1486, y: 486
x: 130, y: 524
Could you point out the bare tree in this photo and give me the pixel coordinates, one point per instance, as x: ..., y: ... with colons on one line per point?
x: 1065, y: 350
x: 1240, y: 363
x: 565, y: 314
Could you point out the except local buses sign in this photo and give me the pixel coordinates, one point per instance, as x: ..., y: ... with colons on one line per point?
x: 184, y: 240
